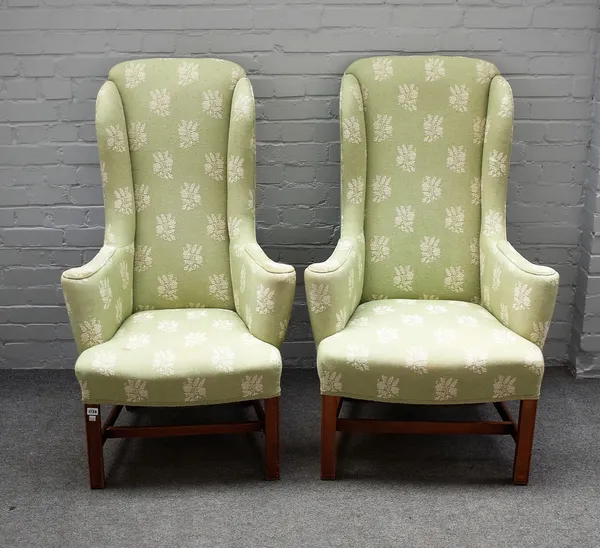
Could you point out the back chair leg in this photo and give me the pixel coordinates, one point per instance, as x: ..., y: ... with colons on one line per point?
x: 93, y: 431
x: 329, y: 415
x: 527, y: 412
x: 272, y: 438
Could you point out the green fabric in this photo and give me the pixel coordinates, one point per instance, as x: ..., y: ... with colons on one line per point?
x: 425, y: 145
x: 180, y: 357
x: 177, y: 155
x: 416, y: 351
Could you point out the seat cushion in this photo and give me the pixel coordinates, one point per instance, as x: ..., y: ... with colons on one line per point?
x: 428, y: 351
x: 177, y: 358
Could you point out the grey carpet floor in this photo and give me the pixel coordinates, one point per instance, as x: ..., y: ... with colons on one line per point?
x: 401, y: 491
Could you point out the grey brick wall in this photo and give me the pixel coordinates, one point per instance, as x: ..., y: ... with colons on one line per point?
x: 54, y: 55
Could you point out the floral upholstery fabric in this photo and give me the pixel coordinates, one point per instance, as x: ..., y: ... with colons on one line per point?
x: 180, y: 357
x: 177, y: 156
x: 418, y: 351
x: 425, y: 145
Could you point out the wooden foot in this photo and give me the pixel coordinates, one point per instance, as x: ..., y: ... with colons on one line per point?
x: 525, y: 432
x: 93, y: 431
x: 272, y: 438
x: 329, y: 414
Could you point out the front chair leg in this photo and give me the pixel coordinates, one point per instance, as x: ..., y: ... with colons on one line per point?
x: 93, y: 431
x: 527, y: 412
x: 272, y: 438
x: 329, y: 413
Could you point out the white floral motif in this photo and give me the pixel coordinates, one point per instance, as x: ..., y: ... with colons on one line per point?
x: 382, y: 127
x: 433, y: 128
x: 168, y: 326
x: 445, y: 389
x: 403, y: 278
x: 476, y: 191
x: 456, y: 159
x: 165, y: 227
x: 356, y: 190
x: 434, y: 69
x: 382, y: 68
x: 124, y: 200
x: 504, y: 386
x: 476, y: 360
x: 319, y: 297
x: 135, y: 74
x: 215, y: 227
x: 252, y: 385
x: 459, y: 98
x: 412, y: 319
x: 467, y: 321
x: 357, y: 356
x: 194, y: 339
x: 503, y: 336
x: 485, y: 72
x: 219, y: 286
x: 379, y: 246
x: 190, y: 196
x: 115, y: 139
x: 234, y: 225
x: 223, y: 325
x: 382, y: 310
x: 496, y: 278
x: 504, y: 314
x: 387, y: 387
x: 405, y: 216
x: 235, y: 169
x: 192, y: 257
x: 163, y: 164
x: 144, y: 316
x: 430, y: 249
x: 137, y: 340
x: 444, y: 336
x: 492, y: 223
x: 193, y: 389
x: 331, y: 381
x: 124, y: 273
x: 160, y: 102
x: 85, y: 391
x: 222, y: 358
x: 478, y: 130
x: 187, y: 73
x: 243, y: 279
x: 522, y: 296
x: 534, y: 361
x: 105, y: 293
x: 455, y: 277
x: 188, y: 133
x: 436, y: 309
x: 237, y: 72
x: 104, y: 363
x: 141, y: 197
x: 416, y: 359
x: 539, y: 332
x: 497, y: 164
x: 119, y: 310
x: 142, y: 259
x: 163, y: 362
x: 408, y: 96
x: 341, y: 319
x: 167, y: 287
x: 455, y: 219
x: 135, y: 391
x: 382, y: 188
x: 506, y: 107
x: 474, y: 250
x: 213, y: 103
x: 387, y: 334
x: 214, y: 165
x: 407, y: 157
x: 351, y: 130
x: 265, y: 299
x: 242, y: 108
x: 432, y: 189
x: 103, y: 174
x: 356, y: 93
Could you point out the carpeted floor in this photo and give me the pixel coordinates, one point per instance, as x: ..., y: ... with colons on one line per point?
x: 400, y: 491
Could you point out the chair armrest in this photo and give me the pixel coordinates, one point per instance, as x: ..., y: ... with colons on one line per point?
x: 263, y: 292
x: 99, y: 295
x: 334, y: 288
x: 519, y: 293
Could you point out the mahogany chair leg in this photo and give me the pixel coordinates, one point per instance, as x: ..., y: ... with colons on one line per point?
x: 527, y: 412
x: 329, y: 414
x: 93, y: 431
x: 272, y: 438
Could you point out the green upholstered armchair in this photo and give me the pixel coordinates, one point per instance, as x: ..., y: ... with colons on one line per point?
x: 180, y: 307
x: 424, y: 301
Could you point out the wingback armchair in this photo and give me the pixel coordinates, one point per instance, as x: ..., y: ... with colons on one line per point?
x: 423, y: 300
x: 180, y: 307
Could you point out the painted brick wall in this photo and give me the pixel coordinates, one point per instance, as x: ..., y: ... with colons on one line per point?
x: 54, y: 55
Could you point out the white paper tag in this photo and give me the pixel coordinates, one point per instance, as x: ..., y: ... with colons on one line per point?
x: 92, y: 418
x: 92, y: 411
